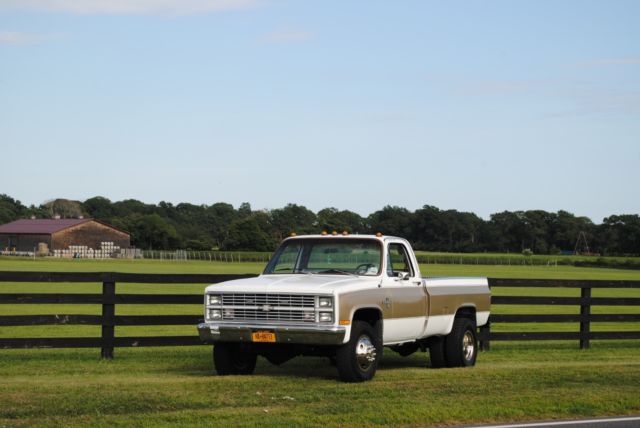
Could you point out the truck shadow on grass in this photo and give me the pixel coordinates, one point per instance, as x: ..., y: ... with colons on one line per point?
x: 300, y: 367
x: 321, y: 368
x: 192, y: 362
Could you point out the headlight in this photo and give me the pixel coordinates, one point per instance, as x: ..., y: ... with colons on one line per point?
x: 326, y: 317
x: 325, y: 302
x: 215, y: 314
x: 215, y: 299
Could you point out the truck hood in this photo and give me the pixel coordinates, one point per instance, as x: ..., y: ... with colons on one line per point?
x: 296, y: 284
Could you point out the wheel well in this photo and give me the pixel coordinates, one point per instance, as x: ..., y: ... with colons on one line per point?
x: 369, y: 315
x: 467, y: 312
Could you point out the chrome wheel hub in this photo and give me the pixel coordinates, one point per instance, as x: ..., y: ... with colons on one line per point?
x: 365, y: 353
x: 468, y: 345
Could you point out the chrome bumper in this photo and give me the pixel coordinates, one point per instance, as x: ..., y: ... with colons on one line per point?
x: 304, y: 335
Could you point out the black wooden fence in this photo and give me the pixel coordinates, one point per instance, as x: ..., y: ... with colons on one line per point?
x: 585, y: 302
x: 109, y: 298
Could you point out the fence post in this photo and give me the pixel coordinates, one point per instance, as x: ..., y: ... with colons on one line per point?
x: 585, y: 312
x: 108, y: 315
x: 485, y: 332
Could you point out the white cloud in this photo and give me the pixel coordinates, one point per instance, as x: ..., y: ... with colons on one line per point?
x: 287, y: 36
x: 20, y: 38
x: 128, y: 7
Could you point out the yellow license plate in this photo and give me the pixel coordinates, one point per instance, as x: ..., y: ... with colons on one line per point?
x: 263, y: 336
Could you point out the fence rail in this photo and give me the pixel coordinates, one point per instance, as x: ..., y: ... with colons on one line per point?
x: 109, y: 298
x: 585, y: 302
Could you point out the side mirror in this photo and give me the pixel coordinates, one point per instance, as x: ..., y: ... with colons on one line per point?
x: 403, y: 276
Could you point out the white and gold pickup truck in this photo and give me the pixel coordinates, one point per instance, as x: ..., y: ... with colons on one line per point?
x: 344, y: 297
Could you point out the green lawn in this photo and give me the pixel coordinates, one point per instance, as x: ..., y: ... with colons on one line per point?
x: 161, y: 386
x: 159, y: 266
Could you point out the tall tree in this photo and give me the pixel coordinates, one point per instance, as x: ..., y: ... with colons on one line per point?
x: 99, y: 208
x: 152, y: 232
x: 65, y: 208
x: 246, y: 234
x: 621, y: 234
x: 10, y: 209
x: 331, y: 219
x: 391, y: 220
x: 292, y: 218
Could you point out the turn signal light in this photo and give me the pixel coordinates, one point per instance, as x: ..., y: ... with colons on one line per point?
x: 345, y: 322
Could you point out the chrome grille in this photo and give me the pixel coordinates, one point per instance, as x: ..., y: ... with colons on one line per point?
x: 273, y: 315
x: 297, y: 301
x: 269, y: 307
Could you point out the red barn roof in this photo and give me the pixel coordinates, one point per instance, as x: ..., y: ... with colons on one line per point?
x: 41, y: 226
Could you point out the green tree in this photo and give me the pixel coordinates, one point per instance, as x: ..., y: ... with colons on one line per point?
x: 292, y: 218
x: 65, y: 208
x: 621, y: 234
x: 10, y: 209
x: 566, y: 228
x: 391, y: 220
x: 246, y: 234
x: 151, y: 231
x: 99, y: 208
x: 509, y: 230
x: 450, y: 230
x: 221, y: 215
x: 331, y: 219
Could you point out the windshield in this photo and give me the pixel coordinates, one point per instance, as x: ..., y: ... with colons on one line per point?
x: 327, y: 256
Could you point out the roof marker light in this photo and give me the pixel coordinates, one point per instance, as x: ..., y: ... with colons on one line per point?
x: 334, y: 233
x: 345, y: 233
x: 293, y: 234
x: 378, y: 234
x: 323, y: 233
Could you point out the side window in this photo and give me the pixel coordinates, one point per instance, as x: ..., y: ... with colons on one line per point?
x: 398, y: 260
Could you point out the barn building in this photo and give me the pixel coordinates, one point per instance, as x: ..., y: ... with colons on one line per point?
x: 59, y: 234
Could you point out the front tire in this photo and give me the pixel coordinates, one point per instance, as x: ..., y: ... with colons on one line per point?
x: 461, y: 345
x: 357, y: 360
x: 231, y: 359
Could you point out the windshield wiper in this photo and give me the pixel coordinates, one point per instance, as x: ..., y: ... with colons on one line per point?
x: 338, y: 271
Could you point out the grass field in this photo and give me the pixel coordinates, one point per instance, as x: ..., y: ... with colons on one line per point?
x: 519, y: 256
x: 161, y: 386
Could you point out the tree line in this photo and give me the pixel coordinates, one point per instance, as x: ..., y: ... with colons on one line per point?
x: 222, y: 226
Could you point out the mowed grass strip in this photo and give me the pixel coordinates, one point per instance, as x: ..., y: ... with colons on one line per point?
x: 160, y: 386
x: 164, y: 266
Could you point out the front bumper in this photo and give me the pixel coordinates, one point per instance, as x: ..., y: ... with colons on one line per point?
x: 303, y: 335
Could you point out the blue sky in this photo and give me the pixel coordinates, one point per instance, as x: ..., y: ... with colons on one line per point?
x: 479, y: 106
